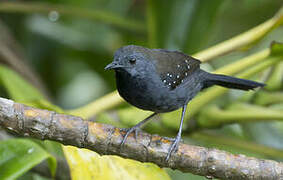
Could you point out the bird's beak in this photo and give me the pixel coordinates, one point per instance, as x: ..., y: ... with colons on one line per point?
x: 113, y: 65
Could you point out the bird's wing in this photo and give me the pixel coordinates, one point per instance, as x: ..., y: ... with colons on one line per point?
x: 173, y: 66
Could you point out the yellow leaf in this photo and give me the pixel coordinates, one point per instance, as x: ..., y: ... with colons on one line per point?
x: 85, y: 164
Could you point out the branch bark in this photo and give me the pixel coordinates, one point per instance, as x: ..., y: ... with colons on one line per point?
x: 106, y: 139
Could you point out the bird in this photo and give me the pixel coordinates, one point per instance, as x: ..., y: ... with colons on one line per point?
x: 161, y: 81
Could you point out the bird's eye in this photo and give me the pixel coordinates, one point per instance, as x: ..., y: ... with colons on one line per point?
x: 132, y: 60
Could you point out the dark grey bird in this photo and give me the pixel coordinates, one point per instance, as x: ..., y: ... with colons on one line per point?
x: 161, y: 81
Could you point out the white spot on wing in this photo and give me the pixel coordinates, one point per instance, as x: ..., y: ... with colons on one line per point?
x: 10, y: 128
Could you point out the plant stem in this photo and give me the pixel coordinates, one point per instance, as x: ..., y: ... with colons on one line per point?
x: 243, y: 63
x: 97, y: 15
x: 215, y: 51
x: 275, y: 79
x: 241, y: 40
x: 106, y: 102
x: 210, y: 138
x: 214, y: 92
x: 266, y: 98
x: 213, y: 116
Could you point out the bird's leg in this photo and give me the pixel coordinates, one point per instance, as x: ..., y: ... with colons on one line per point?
x: 171, y: 139
x: 175, y: 144
x: 136, y: 128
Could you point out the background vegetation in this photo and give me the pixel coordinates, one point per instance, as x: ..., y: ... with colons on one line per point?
x: 54, y: 53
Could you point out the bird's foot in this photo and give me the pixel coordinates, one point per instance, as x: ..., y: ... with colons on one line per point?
x: 128, y: 132
x: 173, y: 147
x: 172, y: 139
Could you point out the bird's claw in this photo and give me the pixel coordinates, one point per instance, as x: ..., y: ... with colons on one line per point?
x: 173, y: 147
x: 128, y: 132
x: 172, y: 139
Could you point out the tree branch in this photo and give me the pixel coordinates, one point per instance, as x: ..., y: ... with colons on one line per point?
x: 106, y: 139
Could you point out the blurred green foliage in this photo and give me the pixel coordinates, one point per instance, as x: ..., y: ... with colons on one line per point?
x: 68, y: 43
x: 18, y: 155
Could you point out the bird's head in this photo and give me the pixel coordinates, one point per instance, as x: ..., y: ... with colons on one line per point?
x: 131, y: 59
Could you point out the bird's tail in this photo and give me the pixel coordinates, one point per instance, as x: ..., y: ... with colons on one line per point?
x: 230, y: 82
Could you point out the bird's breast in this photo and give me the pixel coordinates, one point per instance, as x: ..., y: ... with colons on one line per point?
x: 148, y: 93
x: 132, y: 88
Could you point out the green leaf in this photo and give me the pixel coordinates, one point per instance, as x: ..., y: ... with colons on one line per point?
x: 201, y: 25
x: 86, y: 164
x: 165, y: 27
x: 17, y: 156
x: 244, y: 40
x: 21, y: 91
x: 178, y: 24
x: 17, y: 88
x: 32, y: 176
x: 97, y: 15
